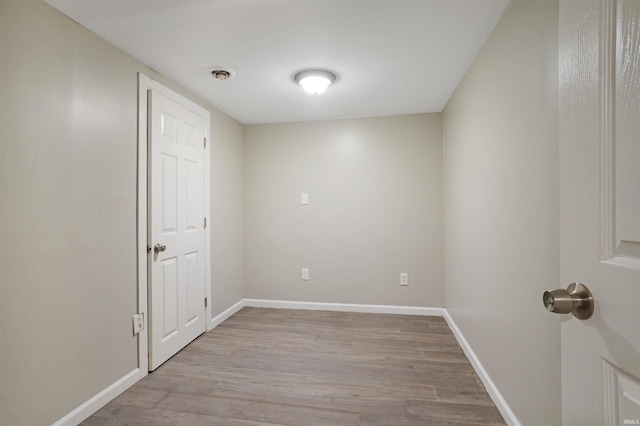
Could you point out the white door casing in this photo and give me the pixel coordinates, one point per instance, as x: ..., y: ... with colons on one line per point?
x: 600, y: 208
x: 174, y: 308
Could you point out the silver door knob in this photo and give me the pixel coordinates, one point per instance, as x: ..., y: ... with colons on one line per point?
x: 159, y: 247
x: 576, y: 299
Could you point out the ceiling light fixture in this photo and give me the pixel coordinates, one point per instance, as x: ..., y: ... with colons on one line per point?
x: 314, y: 81
x: 222, y: 73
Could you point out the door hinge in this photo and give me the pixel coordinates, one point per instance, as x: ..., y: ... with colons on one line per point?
x: 206, y: 303
x: 205, y: 222
x: 205, y: 142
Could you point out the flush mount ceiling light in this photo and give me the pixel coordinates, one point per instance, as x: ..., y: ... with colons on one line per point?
x: 314, y: 82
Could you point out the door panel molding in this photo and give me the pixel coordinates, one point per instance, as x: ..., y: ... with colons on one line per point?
x: 621, y: 396
x: 607, y: 131
x: 617, y: 246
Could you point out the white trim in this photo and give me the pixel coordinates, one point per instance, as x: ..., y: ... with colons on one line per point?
x: 207, y: 215
x: 100, y: 400
x: 144, y: 84
x: 345, y: 307
x: 221, y: 317
x: 491, y: 387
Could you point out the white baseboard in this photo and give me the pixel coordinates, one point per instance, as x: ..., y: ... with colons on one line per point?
x: 94, y: 404
x: 220, y: 318
x: 100, y: 400
x: 493, y: 391
x: 345, y: 307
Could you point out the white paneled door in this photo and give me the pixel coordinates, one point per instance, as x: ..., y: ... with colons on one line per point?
x: 176, y: 227
x: 600, y: 208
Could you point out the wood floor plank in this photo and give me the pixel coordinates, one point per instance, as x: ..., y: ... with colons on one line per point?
x: 294, y: 367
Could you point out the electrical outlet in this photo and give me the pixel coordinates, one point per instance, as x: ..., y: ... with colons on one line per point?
x: 138, y: 323
x: 305, y: 274
x: 404, y: 278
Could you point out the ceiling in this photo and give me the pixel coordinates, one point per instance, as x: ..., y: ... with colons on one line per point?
x: 391, y: 56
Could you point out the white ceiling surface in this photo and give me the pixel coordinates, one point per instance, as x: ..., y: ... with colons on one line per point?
x: 391, y: 56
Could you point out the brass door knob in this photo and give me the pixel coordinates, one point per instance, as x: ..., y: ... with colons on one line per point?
x: 576, y: 299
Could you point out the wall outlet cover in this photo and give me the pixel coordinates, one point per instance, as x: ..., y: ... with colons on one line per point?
x: 404, y: 278
x: 138, y: 323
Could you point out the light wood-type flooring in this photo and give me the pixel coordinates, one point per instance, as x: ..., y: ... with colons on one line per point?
x: 294, y: 367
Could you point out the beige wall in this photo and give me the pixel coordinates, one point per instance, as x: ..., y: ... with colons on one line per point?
x: 227, y: 209
x: 375, y: 188
x: 501, y: 208
x: 68, y: 213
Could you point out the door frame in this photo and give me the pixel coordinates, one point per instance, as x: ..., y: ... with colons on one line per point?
x: 146, y: 83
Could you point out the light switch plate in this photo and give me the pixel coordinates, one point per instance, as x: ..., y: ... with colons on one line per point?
x: 304, y: 198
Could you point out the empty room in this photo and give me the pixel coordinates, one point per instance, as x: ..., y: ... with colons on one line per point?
x: 319, y: 212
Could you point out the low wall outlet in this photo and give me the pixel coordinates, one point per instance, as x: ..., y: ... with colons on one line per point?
x: 404, y: 278
x: 305, y: 274
x: 138, y: 323
x: 304, y: 198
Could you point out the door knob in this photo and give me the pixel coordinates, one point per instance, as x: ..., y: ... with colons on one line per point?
x: 159, y: 247
x: 576, y: 299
